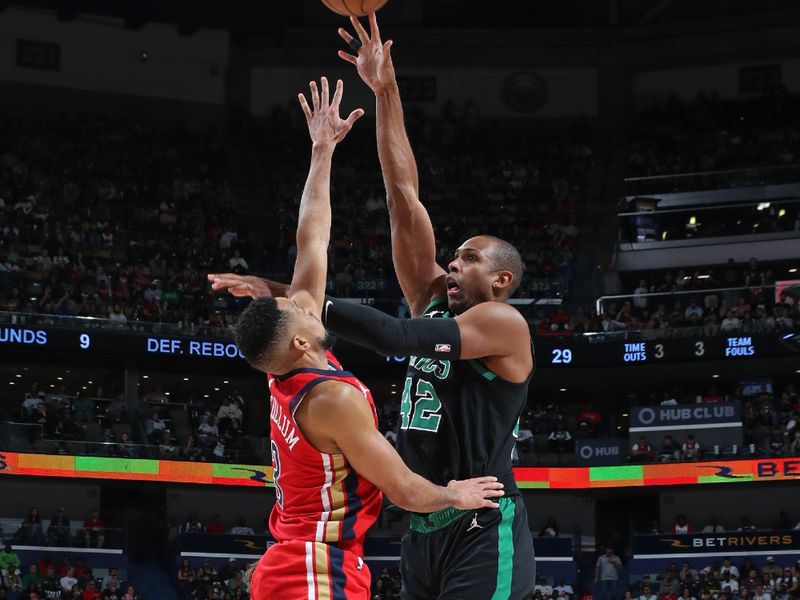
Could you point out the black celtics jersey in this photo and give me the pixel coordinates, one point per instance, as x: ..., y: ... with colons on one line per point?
x: 457, y: 418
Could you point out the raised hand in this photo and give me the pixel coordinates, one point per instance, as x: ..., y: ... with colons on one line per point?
x: 239, y: 285
x: 469, y: 494
x: 325, y: 126
x: 374, y: 58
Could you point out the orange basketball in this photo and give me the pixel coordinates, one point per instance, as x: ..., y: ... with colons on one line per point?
x: 354, y: 8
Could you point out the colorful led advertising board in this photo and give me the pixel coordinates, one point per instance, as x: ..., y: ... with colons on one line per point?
x: 168, y: 471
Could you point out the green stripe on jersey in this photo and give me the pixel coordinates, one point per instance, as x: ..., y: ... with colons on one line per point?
x: 505, y: 549
x: 481, y: 368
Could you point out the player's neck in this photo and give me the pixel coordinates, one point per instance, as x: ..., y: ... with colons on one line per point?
x: 314, y: 360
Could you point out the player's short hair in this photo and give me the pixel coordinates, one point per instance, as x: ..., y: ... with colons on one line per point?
x: 505, y: 257
x: 259, y: 330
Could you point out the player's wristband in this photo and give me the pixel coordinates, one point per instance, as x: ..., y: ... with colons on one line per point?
x: 371, y: 328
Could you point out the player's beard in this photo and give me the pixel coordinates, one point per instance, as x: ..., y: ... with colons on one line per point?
x: 326, y: 342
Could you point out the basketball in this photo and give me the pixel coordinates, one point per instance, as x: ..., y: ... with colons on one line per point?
x: 354, y: 8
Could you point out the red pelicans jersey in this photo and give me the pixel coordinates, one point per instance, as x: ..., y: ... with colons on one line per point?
x: 320, y: 497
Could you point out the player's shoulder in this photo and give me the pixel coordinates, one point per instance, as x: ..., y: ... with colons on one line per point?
x: 334, y: 398
x: 498, y: 313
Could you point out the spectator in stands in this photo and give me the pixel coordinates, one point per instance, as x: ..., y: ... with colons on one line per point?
x: 693, y: 313
x: 228, y: 412
x: 560, y: 440
x: 205, y: 575
x: 186, y: 580
x: 771, y: 569
x: 729, y: 567
x: 714, y: 527
x: 131, y: 594
x: 47, y: 418
x: 113, y: 592
x: 154, y: 428
x: 669, y: 451
x: 207, y: 432
x: 51, y: 588
x: 682, y: 525
x: 32, y: 577
x: 94, y: 530
x: 691, y: 448
x: 111, y: 580
x: 751, y: 580
x: 124, y: 449
x: 564, y: 587
x: 91, y: 592
x: 761, y: 593
x: 730, y: 323
x: 191, y: 451
x: 589, y: 418
x: 58, y: 532
x: 33, y: 398
x: 639, y: 296
x: 745, y: 567
x: 193, y: 524
x: 668, y: 593
x: 647, y: 594
x: 606, y: 574
x: 794, y: 446
x: 31, y: 530
x: 216, y: 526
x: 729, y: 583
x: 68, y: 580
x: 117, y: 410
x: 241, y: 528
x: 776, y: 444
x: 84, y: 408
x: 549, y: 529
x: 783, y: 522
x: 642, y: 451
x: 745, y: 525
x: 9, y: 560
x: 655, y: 528
x: 238, y: 264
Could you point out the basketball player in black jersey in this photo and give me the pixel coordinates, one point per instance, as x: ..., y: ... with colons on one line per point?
x: 470, y: 364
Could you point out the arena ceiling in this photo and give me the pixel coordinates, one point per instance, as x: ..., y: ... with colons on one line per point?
x: 272, y: 16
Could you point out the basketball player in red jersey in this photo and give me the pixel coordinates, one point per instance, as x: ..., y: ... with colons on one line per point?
x: 330, y: 462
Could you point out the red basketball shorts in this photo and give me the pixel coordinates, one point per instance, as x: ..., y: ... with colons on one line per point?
x: 299, y: 570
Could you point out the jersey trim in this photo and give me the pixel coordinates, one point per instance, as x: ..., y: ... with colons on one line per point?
x: 334, y: 372
x: 435, y: 302
x: 298, y: 397
x: 505, y: 549
x: 482, y: 369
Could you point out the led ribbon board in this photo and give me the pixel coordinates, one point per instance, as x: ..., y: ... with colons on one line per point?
x: 574, y: 478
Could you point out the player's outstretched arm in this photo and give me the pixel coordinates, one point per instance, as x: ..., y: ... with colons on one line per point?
x: 242, y: 286
x: 413, y: 241
x: 341, y: 413
x: 487, y: 330
x: 326, y: 129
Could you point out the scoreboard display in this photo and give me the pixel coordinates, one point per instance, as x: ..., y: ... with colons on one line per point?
x: 583, y: 352
x: 557, y: 353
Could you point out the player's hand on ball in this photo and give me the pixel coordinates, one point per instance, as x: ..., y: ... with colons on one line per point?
x: 469, y: 494
x: 239, y: 285
x: 374, y: 58
x: 325, y: 126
